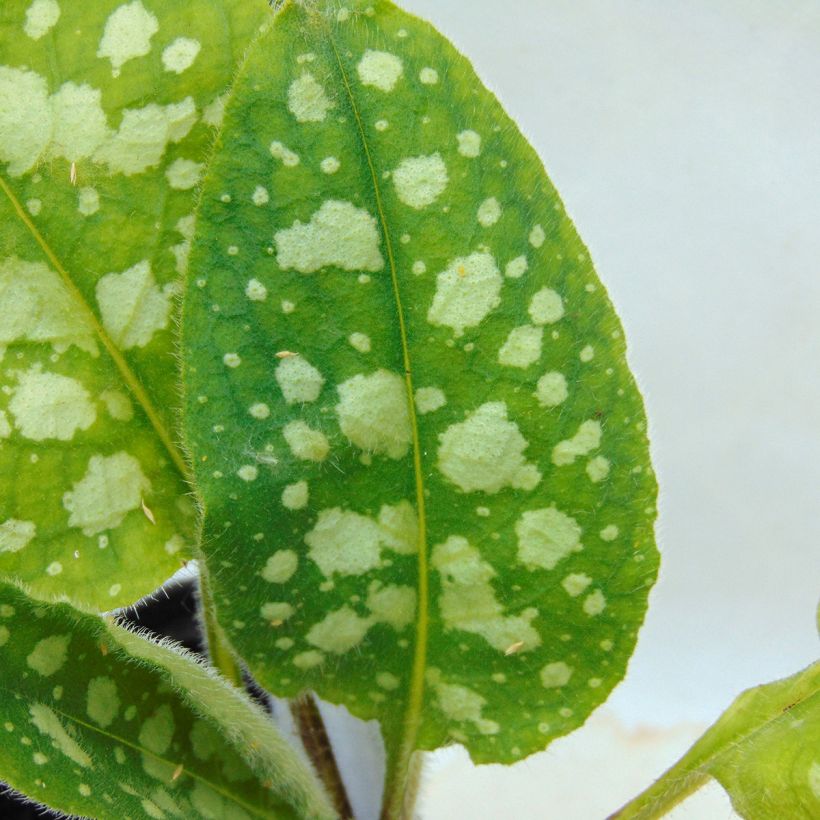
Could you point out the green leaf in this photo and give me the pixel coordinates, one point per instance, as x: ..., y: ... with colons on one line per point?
x: 421, y: 453
x: 104, y: 129
x: 100, y: 722
x: 764, y: 750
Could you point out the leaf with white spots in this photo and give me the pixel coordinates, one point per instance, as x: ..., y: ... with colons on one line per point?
x: 443, y: 517
x: 764, y: 750
x: 103, y: 138
x: 98, y: 721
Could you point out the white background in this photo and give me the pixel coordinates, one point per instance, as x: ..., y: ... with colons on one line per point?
x: 684, y: 138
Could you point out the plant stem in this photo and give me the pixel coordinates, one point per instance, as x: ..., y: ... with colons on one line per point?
x: 220, y: 653
x: 412, y: 785
x: 317, y: 745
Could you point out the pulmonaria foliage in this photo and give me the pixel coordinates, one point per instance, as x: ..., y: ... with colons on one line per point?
x: 764, y: 750
x: 107, y: 110
x: 99, y: 722
x: 422, y: 456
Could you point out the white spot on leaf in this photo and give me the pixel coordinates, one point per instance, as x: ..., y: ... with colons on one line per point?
x: 468, y: 600
x: 587, y: 439
x: 184, y: 174
x: 555, y: 675
x: 466, y: 292
x: 489, y: 212
x: 551, y: 389
x: 280, y: 567
x: 112, y: 487
x: 374, y: 415
x: 546, y: 307
x: 522, y: 347
x: 128, y: 32
x: 380, y: 69
x: 305, y: 443
x: 339, y: 235
x: 41, y: 17
x: 298, y: 380
x: 420, y: 181
x: 132, y: 305
x: 16, y: 535
x: 180, y: 55
x: 50, y: 406
x: 469, y: 144
x: 295, y: 496
x: 486, y: 452
x: 546, y: 537
x: 307, y: 100
x: 429, y: 399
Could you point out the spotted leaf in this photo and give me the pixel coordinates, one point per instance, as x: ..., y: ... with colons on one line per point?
x: 764, y: 750
x: 422, y: 457
x: 107, y: 110
x: 100, y: 722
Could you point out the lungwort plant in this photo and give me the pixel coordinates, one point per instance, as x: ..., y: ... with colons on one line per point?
x: 405, y: 447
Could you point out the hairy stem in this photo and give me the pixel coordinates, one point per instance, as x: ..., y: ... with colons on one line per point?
x: 220, y: 653
x: 317, y: 745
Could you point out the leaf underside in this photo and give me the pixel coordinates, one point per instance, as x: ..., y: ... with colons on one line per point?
x: 99, y: 722
x: 764, y: 750
x: 107, y: 112
x: 421, y: 453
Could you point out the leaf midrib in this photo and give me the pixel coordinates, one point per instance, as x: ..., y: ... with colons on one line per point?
x: 416, y: 697
x: 128, y: 375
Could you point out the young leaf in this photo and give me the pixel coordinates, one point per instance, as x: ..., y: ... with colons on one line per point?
x: 106, y: 114
x: 422, y: 456
x: 100, y: 722
x: 764, y: 750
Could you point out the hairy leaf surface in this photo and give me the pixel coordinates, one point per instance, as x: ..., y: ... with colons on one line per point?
x: 106, y: 115
x: 764, y: 750
x: 100, y: 722
x: 422, y: 456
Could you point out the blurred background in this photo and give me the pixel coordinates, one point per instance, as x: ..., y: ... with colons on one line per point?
x: 684, y: 138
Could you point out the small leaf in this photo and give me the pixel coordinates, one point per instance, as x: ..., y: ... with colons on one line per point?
x: 106, y: 114
x: 100, y: 722
x: 422, y: 455
x: 764, y: 750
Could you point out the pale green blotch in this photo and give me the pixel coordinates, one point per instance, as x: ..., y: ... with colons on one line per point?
x: 429, y: 399
x: 469, y: 143
x: 280, y: 567
x: 298, y: 380
x: 307, y: 100
x: 576, y: 584
x: 339, y: 631
x: 50, y: 406
x: 180, y: 55
x: 374, y: 415
x: 112, y: 487
x: 392, y: 605
x: 522, y: 347
x: 133, y: 306
x: 49, y: 724
x: 339, y: 235
x: 16, y: 535
x: 468, y: 601
x: 546, y: 307
x: 157, y: 731
x: 127, y: 35
x: 380, y: 69
x: 49, y: 655
x: 102, y: 701
x: 347, y: 543
x: 546, y: 537
x: 461, y: 704
x: 551, y: 389
x: 276, y: 612
x: 587, y: 439
x: 598, y: 469
x: 555, y: 675
x: 420, y: 181
x: 41, y: 17
x: 305, y: 443
x: 295, y: 496
x: 36, y: 306
x: 466, y: 292
x: 486, y: 452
